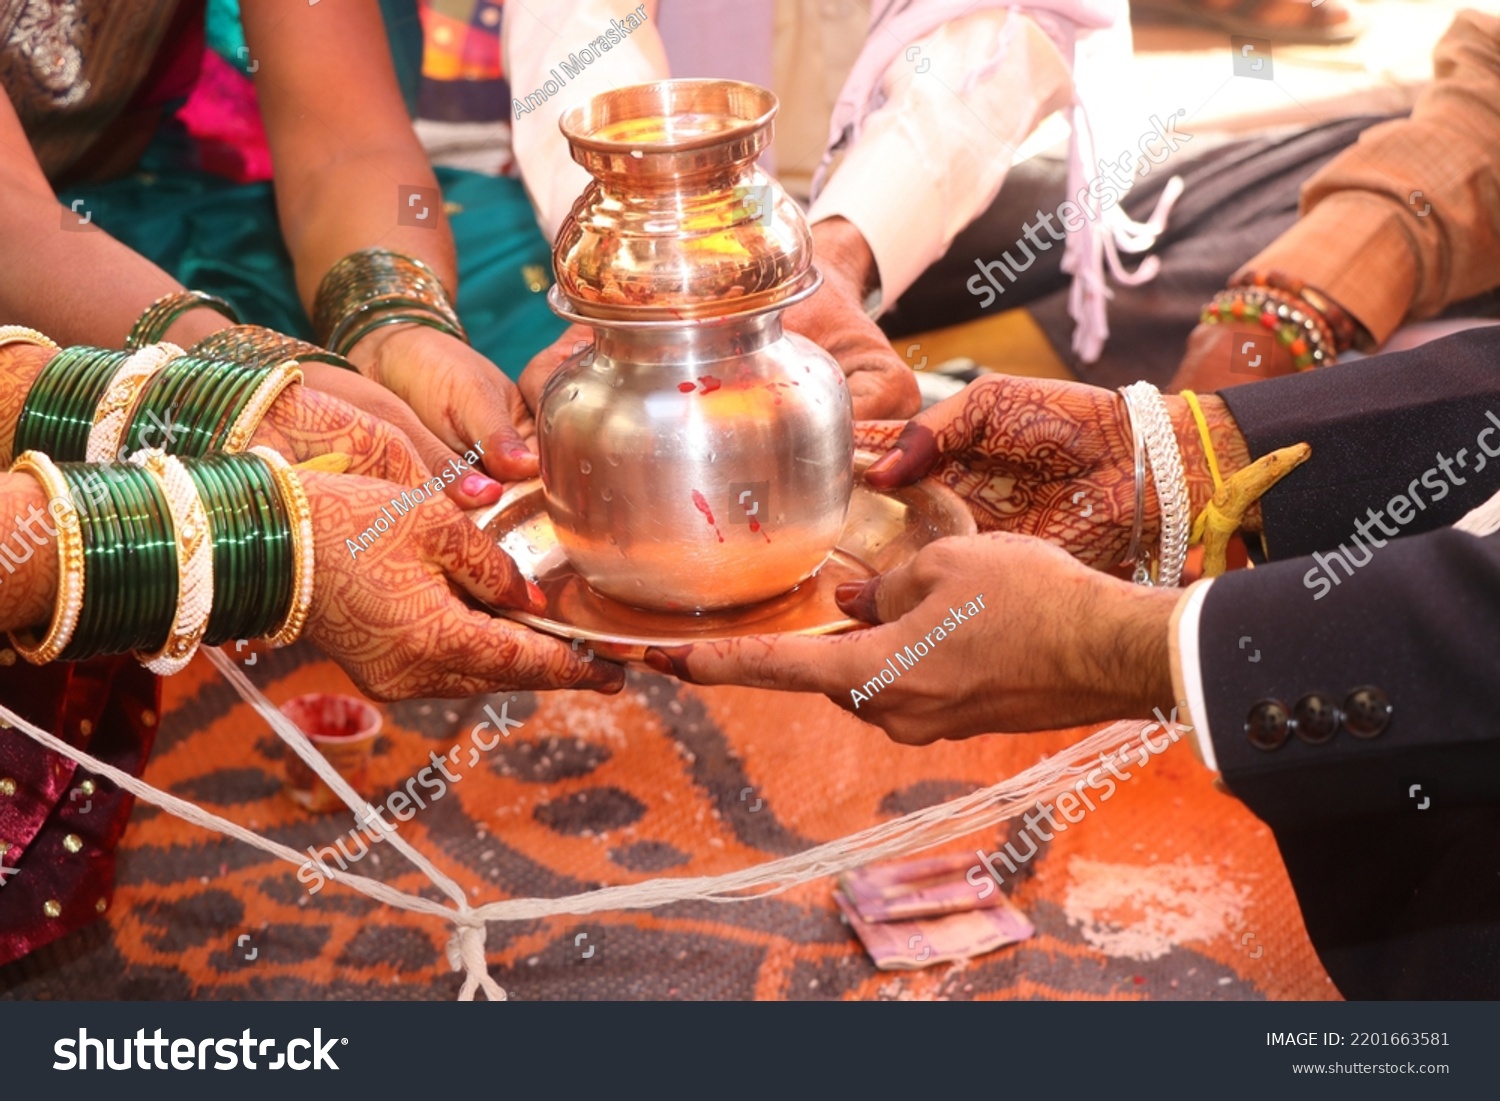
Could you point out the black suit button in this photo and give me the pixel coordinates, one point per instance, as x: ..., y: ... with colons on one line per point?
x: 1268, y: 726
x: 1316, y: 717
x: 1367, y: 712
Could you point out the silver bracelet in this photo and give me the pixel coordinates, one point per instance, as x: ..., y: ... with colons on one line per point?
x: 1134, y: 557
x: 1165, y: 455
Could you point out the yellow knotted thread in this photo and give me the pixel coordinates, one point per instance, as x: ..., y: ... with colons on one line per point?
x: 1225, y: 512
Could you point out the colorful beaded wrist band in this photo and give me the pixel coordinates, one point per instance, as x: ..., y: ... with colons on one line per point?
x: 1297, y: 327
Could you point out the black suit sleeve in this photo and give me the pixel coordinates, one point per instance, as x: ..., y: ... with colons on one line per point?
x: 1378, y: 427
x: 1420, y: 623
x: 1392, y: 842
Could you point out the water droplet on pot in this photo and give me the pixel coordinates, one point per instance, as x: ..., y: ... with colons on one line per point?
x: 613, y: 460
x: 607, y: 494
x: 585, y: 466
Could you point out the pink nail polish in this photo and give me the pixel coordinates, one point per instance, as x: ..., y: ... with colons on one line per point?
x: 518, y: 451
x: 476, y: 485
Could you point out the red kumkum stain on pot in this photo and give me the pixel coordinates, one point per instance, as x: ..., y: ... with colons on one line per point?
x: 686, y: 387
x: 701, y: 504
x: 710, y: 384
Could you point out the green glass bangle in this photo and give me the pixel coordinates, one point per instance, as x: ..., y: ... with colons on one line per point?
x: 362, y: 280
x: 212, y: 406
x: 251, y: 538
x: 58, y: 413
x: 129, y: 554
x: 276, y: 526
x: 119, y: 601
x: 153, y: 558
x: 158, y: 317
x: 156, y: 403
x: 248, y: 560
x: 189, y: 393
x: 205, y: 402
x: 396, y: 316
x: 208, y: 383
x: 225, y: 531
x: 249, y: 475
x: 234, y: 406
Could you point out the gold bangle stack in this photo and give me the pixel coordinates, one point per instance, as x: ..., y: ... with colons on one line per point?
x: 69, y: 562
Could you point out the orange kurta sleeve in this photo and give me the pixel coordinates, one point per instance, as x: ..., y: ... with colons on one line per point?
x: 1407, y: 221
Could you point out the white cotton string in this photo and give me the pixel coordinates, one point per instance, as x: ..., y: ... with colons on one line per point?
x: 190, y: 812
x: 911, y: 833
x: 364, y: 813
x: 466, y: 948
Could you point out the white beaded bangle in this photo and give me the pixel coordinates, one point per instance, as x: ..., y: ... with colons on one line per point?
x: 1165, y: 455
x: 112, y: 417
x: 195, y: 562
x: 20, y: 334
x: 294, y: 498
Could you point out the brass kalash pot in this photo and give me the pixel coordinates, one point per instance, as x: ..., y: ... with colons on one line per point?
x: 696, y: 456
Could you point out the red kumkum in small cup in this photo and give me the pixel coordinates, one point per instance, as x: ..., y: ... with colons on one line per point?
x: 343, y: 729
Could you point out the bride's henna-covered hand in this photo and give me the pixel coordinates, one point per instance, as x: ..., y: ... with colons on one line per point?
x: 304, y: 423
x: 391, y: 614
x: 471, y: 489
x: 1018, y: 637
x: 1048, y: 458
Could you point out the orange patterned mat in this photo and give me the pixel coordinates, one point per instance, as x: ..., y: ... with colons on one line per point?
x: 1171, y: 889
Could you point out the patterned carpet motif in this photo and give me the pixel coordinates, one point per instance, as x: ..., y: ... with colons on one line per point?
x: 1169, y: 890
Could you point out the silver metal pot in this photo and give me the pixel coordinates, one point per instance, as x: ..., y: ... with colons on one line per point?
x: 698, y: 464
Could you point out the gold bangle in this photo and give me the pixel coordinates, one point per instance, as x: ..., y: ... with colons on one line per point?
x: 20, y: 334
x: 113, y: 416
x: 69, y: 562
x: 294, y: 498
x: 277, y: 379
x: 195, y: 563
